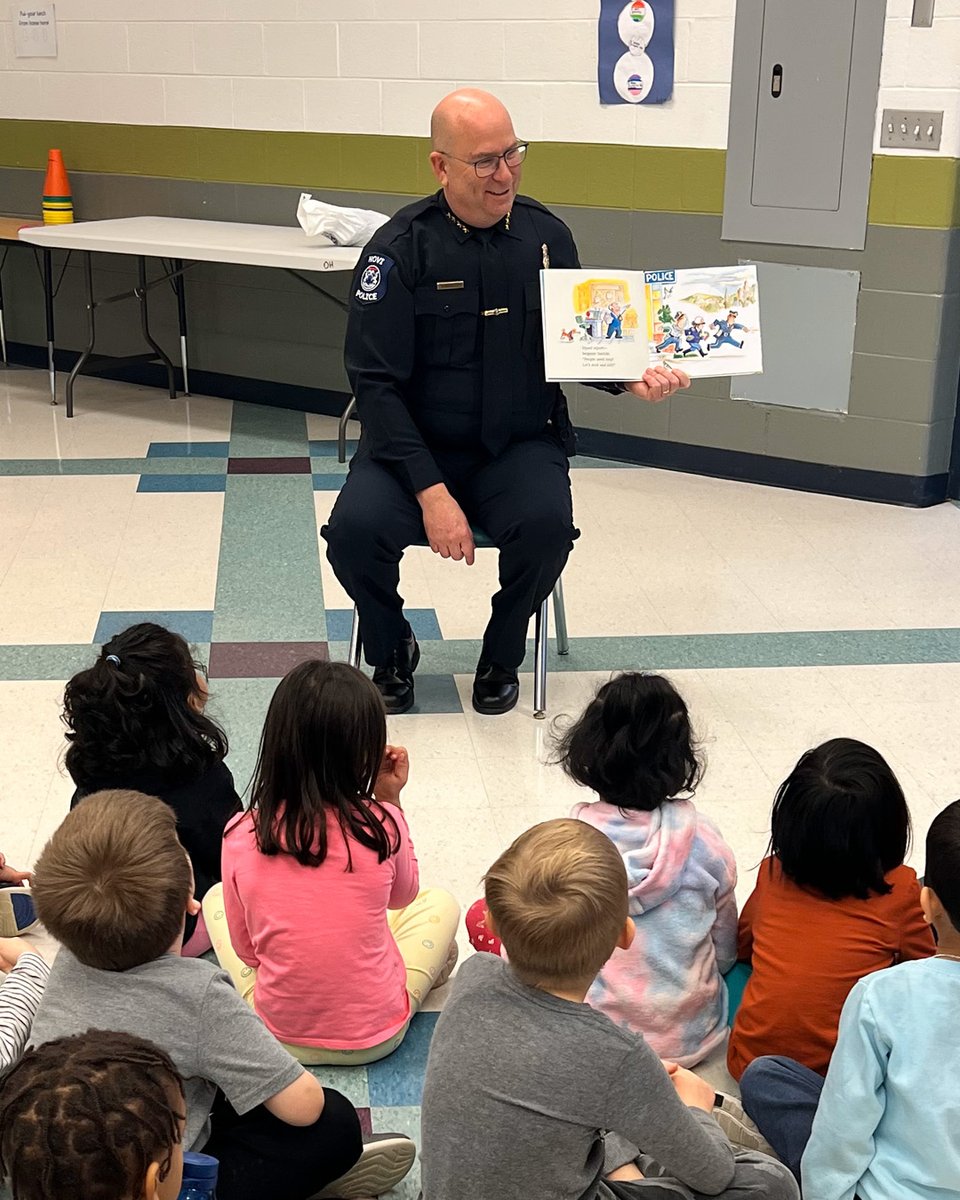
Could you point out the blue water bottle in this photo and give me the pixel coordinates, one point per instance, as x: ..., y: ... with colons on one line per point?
x: 199, y: 1177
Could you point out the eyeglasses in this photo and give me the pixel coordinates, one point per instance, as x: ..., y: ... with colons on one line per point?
x: 490, y: 163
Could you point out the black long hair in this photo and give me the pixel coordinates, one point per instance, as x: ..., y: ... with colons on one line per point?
x: 321, y: 751
x: 633, y: 745
x: 131, y: 711
x: 840, y: 821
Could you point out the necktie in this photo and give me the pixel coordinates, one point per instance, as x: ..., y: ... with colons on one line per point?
x: 498, y: 367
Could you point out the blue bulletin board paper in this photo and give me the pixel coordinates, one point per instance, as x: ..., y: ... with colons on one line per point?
x: 635, y: 51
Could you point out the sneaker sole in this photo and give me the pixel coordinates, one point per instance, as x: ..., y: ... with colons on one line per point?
x: 382, y: 1165
x: 740, y: 1130
x: 18, y: 913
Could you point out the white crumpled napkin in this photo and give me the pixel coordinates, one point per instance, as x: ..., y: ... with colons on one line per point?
x: 337, y: 226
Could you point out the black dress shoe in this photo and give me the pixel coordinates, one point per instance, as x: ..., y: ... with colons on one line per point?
x: 496, y: 689
x: 394, y: 680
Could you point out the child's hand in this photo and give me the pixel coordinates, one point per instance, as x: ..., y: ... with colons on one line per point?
x: 394, y: 771
x: 13, y: 875
x: 11, y: 949
x: 692, y: 1090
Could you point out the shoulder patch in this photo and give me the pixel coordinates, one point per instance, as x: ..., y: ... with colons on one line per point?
x: 373, y: 279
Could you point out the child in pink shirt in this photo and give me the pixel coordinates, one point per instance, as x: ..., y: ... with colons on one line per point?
x: 321, y: 921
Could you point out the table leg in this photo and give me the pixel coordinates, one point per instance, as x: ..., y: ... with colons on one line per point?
x: 180, y: 285
x: 48, y: 306
x: 145, y: 327
x: 91, y: 330
x: 3, y: 332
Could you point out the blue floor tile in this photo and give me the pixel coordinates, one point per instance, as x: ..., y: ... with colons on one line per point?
x: 182, y: 483
x: 423, y: 621
x: 328, y: 448
x: 398, y: 1080
x: 328, y: 483
x: 188, y: 450
x: 195, y: 626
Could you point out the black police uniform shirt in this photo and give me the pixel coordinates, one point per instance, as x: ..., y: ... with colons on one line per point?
x: 415, y: 332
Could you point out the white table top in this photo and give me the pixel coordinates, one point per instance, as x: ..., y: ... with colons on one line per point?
x: 203, y: 241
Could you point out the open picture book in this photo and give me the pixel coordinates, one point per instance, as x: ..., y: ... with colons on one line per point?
x: 610, y: 326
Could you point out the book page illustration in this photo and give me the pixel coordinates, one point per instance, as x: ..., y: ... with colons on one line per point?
x: 705, y: 320
x: 594, y: 324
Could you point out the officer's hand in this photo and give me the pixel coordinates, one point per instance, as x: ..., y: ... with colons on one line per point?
x: 658, y: 383
x: 447, y: 529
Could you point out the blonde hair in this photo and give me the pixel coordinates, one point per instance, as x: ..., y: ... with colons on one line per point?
x: 113, y: 882
x: 558, y: 899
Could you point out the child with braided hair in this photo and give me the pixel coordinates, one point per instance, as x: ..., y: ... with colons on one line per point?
x: 99, y: 1115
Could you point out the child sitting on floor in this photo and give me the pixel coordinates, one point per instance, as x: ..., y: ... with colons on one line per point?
x: 136, y: 721
x: 310, y: 872
x: 20, y: 995
x: 530, y: 1091
x: 885, y: 1122
x: 112, y: 886
x: 832, y: 903
x: 99, y: 1115
x: 634, y: 747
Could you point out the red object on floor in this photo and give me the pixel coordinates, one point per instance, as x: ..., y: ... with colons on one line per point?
x: 480, y: 937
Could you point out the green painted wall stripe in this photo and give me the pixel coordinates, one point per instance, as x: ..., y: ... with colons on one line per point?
x: 910, y: 191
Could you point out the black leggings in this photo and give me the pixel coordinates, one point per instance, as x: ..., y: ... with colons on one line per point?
x: 262, y: 1156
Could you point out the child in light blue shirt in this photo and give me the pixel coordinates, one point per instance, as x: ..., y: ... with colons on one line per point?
x: 887, y: 1120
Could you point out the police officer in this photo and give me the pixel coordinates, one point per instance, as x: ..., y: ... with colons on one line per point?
x: 445, y: 357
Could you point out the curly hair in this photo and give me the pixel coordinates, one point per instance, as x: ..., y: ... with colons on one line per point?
x: 87, y: 1115
x: 633, y: 745
x: 132, y: 711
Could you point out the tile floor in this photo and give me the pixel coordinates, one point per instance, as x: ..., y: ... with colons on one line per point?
x: 784, y: 618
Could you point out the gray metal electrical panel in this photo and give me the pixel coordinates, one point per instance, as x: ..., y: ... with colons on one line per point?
x: 802, y: 117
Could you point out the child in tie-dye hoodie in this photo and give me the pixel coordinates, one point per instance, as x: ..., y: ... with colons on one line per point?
x: 634, y: 747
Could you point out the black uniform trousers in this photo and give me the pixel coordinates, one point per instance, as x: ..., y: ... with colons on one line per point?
x: 520, y: 499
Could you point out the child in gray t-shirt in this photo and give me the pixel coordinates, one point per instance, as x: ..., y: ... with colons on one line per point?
x: 532, y: 1093
x: 113, y: 885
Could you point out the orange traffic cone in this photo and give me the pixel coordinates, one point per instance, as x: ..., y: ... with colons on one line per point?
x: 57, y: 198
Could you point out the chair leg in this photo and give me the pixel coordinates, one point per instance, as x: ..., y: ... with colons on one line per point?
x: 541, y: 639
x: 560, y: 617
x: 353, y: 654
x: 342, y: 429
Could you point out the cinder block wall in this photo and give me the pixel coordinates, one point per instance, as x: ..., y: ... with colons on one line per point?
x: 228, y: 108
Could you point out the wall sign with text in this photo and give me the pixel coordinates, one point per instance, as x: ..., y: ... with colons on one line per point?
x: 635, y: 43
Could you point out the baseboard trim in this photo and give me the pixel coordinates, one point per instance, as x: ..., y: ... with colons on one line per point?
x: 915, y: 491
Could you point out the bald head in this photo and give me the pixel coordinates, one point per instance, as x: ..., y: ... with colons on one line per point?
x: 467, y: 126
x: 469, y: 116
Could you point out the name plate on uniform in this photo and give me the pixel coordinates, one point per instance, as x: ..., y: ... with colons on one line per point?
x: 610, y: 326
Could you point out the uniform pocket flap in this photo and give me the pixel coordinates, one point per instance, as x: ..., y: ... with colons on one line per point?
x: 449, y: 303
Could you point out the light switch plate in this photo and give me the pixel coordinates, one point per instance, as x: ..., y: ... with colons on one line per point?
x: 910, y: 129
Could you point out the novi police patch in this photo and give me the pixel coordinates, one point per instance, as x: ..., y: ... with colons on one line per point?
x: 374, y: 276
